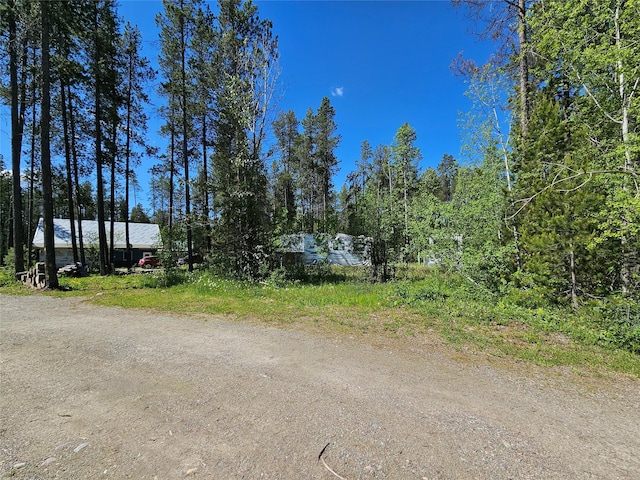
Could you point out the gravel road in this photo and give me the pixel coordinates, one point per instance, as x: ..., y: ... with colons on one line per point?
x: 91, y: 392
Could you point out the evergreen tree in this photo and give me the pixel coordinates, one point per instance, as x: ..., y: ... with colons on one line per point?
x: 246, y: 52
x: 104, y: 80
x: 136, y: 75
x: 5, y: 210
x: 17, y: 127
x: 286, y: 170
x: 352, y: 198
x: 447, y: 173
x: 176, y: 34
x: 69, y: 69
x: 51, y: 271
x: 205, y: 71
x: 309, y: 191
x: 19, y: 41
x: 557, y: 224
x: 138, y: 215
x: 588, y: 65
x: 318, y: 164
x: 164, y: 185
x: 381, y: 222
x: 406, y: 158
x: 327, y: 141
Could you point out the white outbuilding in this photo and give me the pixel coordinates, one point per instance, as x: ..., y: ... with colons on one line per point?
x: 144, y: 239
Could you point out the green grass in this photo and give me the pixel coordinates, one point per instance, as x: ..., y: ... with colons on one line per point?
x: 9, y: 285
x: 460, y: 314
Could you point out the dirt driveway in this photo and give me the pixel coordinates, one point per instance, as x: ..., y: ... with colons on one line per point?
x: 90, y: 392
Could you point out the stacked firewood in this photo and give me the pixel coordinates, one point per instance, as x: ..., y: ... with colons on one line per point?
x: 73, y: 270
x: 34, y: 277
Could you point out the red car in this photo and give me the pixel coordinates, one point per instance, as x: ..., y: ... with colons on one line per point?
x: 150, y: 261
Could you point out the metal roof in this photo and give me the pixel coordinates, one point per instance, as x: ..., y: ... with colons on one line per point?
x: 141, y: 235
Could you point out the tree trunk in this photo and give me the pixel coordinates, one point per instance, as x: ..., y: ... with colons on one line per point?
x: 205, y: 181
x: 185, y: 146
x: 507, y: 171
x: 102, y: 233
x: 112, y: 195
x: 74, y: 156
x: 574, y: 285
x: 625, y: 100
x: 32, y: 172
x: 51, y: 271
x: 406, y: 211
x: 17, y: 124
x: 127, y: 154
x: 67, y: 157
x: 172, y: 169
x: 524, y: 67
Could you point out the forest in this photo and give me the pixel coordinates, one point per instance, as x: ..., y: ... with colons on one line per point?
x: 545, y: 199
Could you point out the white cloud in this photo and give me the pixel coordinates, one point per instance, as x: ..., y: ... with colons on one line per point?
x: 337, y: 92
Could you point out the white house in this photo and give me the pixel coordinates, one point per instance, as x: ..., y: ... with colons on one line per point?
x: 144, y: 240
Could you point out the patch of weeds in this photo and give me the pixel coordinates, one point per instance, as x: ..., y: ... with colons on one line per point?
x: 165, y: 279
x: 414, y: 294
x: 392, y: 327
x: 9, y: 285
x: 453, y: 337
x: 6, y: 277
x: 400, y: 328
x: 617, y: 320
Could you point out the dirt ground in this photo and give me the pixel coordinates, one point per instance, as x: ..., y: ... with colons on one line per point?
x: 90, y: 392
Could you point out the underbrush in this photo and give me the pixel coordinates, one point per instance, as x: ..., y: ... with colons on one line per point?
x: 6, y: 277
x: 612, y: 323
x: 8, y: 282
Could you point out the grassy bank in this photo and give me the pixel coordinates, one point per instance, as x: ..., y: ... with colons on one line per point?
x: 456, y: 311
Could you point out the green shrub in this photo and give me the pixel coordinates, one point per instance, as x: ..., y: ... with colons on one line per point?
x: 164, y: 279
x: 284, y: 276
x: 532, y: 298
x: 7, y: 278
x: 617, y: 320
x: 415, y: 294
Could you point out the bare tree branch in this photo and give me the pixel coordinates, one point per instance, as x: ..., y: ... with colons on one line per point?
x: 524, y: 202
x: 325, y: 463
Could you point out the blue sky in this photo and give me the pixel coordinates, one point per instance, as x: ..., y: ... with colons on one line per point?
x: 382, y: 63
